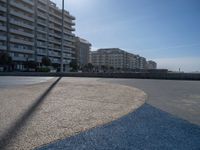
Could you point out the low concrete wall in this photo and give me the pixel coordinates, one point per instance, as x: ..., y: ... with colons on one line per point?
x: 170, y: 76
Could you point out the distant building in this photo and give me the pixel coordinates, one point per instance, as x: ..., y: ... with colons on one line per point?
x: 142, y: 63
x: 112, y: 57
x: 32, y: 29
x: 151, y: 64
x: 119, y: 60
x: 82, y: 51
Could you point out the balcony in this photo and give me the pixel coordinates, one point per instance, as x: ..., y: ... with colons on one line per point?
x: 69, y: 33
x: 69, y: 28
x: 25, y: 51
x: 3, y: 28
x: 41, y: 45
x: 41, y: 38
x: 69, y: 21
x: 3, y: 38
x: 19, y: 32
x: 42, y: 23
x: 19, y: 23
x: 69, y: 45
x: 30, y: 2
x: 41, y: 8
x: 41, y: 53
x: 21, y: 41
x: 19, y: 58
x: 2, y: 8
x: 3, y: 47
x: 44, y: 16
x: 43, y: 1
x: 55, y: 28
x: 53, y: 48
x: 55, y: 35
x: 52, y: 54
x: 21, y: 15
x: 55, y: 15
x: 56, y: 61
x: 41, y: 30
x: 2, y: 18
x: 54, y: 41
x: 55, y: 21
x: 21, y: 6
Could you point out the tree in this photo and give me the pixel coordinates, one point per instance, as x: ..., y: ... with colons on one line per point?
x: 5, y: 60
x: 74, y: 65
x: 31, y: 64
x: 46, y: 61
x: 90, y: 66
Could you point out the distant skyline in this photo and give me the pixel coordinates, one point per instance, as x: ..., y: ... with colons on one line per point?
x: 167, y: 32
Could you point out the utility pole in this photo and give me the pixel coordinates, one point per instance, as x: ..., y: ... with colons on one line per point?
x: 62, y: 40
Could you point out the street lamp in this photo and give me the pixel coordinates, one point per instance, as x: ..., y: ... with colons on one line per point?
x: 62, y: 40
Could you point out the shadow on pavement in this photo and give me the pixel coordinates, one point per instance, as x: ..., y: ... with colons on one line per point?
x: 12, y: 132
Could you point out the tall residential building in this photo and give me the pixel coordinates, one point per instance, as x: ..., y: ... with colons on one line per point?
x: 112, y: 57
x: 31, y: 29
x: 142, y: 63
x: 118, y: 59
x: 151, y: 64
x: 82, y: 51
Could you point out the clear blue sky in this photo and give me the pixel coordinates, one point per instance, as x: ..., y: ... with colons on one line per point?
x: 167, y: 31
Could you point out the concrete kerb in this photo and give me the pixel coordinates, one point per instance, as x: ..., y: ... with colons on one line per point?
x: 73, y: 106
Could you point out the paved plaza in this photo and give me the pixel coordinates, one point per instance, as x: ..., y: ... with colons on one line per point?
x: 39, y: 113
x: 96, y: 114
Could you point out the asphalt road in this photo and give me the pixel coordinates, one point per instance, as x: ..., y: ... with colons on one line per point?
x: 180, y: 98
x: 18, y: 81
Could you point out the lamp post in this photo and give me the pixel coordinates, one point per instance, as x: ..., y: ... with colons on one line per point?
x: 62, y: 40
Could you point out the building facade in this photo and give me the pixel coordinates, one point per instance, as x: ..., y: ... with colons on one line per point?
x: 142, y: 63
x: 151, y: 64
x: 113, y: 58
x: 82, y: 51
x: 32, y: 29
x: 118, y: 59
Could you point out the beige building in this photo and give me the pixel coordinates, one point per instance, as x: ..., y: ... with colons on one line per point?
x: 118, y: 59
x: 31, y: 29
x: 82, y: 51
x: 151, y: 64
x: 113, y: 58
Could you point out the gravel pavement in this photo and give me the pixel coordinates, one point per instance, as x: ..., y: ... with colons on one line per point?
x: 148, y: 128
x: 74, y: 105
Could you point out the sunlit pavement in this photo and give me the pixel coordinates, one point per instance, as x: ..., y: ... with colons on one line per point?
x: 18, y: 81
x: 168, y: 120
x: 37, y: 114
x: 149, y: 127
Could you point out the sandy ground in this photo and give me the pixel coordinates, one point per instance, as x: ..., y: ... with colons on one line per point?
x: 72, y: 106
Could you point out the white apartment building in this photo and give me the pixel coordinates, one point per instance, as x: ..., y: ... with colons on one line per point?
x: 142, y: 63
x: 151, y: 64
x: 118, y: 59
x: 113, y: 57
x: 82, y: 51
x: 31, y: 29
